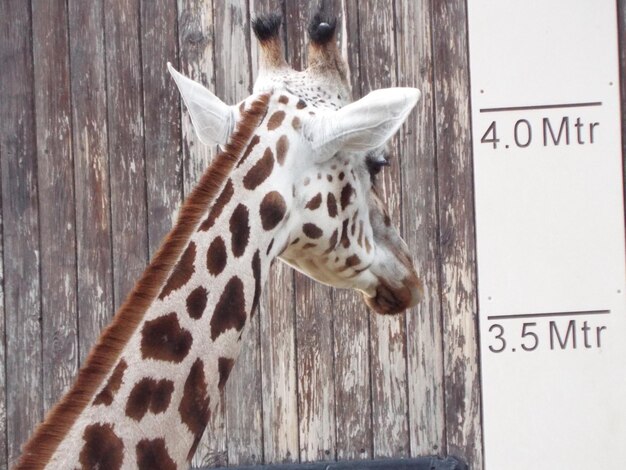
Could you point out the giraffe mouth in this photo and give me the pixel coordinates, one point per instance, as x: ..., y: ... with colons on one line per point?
x: 390, y: 300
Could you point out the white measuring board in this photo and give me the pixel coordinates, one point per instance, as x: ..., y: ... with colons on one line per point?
x: 550, y: 232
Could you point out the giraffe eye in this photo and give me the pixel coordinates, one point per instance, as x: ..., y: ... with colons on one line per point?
x: 374, y: 165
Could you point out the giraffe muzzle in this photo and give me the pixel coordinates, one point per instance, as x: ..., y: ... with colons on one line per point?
x: 391, y: 300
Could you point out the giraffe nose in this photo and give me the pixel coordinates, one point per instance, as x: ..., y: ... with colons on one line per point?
x: 390, y: 300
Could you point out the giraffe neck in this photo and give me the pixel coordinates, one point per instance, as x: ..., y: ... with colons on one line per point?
x: 146, y: 393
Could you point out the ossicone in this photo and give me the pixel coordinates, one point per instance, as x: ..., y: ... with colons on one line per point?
x: 322, y: 28
x: 266, y: 28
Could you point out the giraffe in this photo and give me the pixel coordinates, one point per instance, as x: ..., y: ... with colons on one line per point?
x: 295, y: 179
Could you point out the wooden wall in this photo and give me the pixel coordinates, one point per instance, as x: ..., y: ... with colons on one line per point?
x: 96, y: 155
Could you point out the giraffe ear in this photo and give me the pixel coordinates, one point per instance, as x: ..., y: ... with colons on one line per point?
x: 363, y: 125
x: 212, y: 119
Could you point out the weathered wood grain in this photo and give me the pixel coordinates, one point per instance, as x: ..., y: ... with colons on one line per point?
x: 91, y: 171
x: 126, y: 145
x: 56, y: 198
x: 316, y: 394
x: 195, y: 36
x: 456, y: 232
x: 159, y: 44
x: 420, y: 229
x: 387, y: 333
x: 20, y: 226
x: 278, y: 364
x: 3, y: 357
x: 353, y: 410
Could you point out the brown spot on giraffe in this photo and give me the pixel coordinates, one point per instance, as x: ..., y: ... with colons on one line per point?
x: 329, y: 178
x: 282, y: 147
x: 368, y: 247
x: 306, y: 246
x: 240, y: 230
x: 216, y: 256
x: 272, y: 210
x: 387, y: 219
x: 260, y: 171
x: 194, y: 405
x: 352, y: 261
x: 311, y: 230
x: 345, y: 241
x: 163, y: 339
x: 301, y: 104
x: 196, y: 302
x: 275, y: 120
x: 218, y: 207
x: 269, y: 247
x: 106, y: 395
x: 332, y: 242
x: 256, y: 273
x: 296, y: 123
x: 360, y: 238
x: 102, y: 448
x: 253, y: 142
x: 230, y: 311
x: 314, y: 202
x: 152, y: 455
x: 346, y: 195
x: 224, y: 366
x: 353, y: 225
x: 283, y: 99
x: 182, y: 271
x: 341, y: 176
x: 149, y: 394
x: 331, y: 205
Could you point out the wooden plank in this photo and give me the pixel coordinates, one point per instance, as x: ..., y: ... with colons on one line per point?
x: 278, y: 365
x: 56, y: 198
x: 3, y: 357
x: 126, y: 146
x: 314, y: 349
x: 456, y: 232
x: 277, y: 331
x: 233, y: 83
x: 159, y: 44
x: 195, y: 36
x: 314, y: 334
x: 20, y: 228
x: 387, y: 333
x: 91, y: 171
x: 353, y: 410
x: 420, y: 230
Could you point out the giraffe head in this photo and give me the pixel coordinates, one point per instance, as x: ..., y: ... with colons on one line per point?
x: 323, y: 152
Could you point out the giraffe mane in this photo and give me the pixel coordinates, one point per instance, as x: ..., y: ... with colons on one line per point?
x: 103, y: 356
